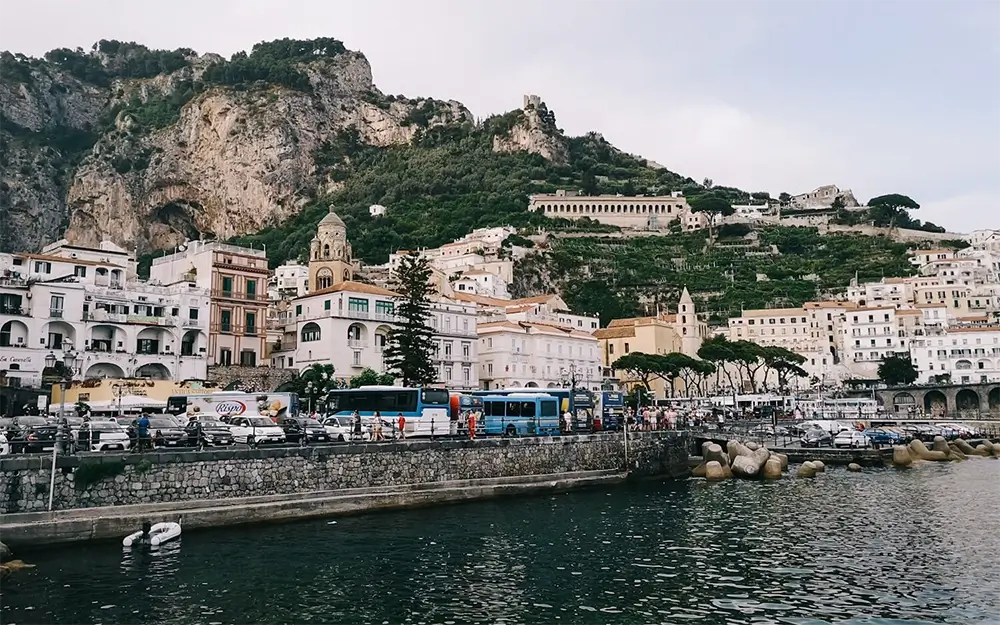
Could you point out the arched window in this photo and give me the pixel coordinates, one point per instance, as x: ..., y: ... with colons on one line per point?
x: 310, y: 332
x: 326, y: 250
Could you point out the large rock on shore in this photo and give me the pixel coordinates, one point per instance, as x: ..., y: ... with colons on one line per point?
x: 940, y: 444
x: 736, y: 448
x: 901, y: 456
x: 918, y: 449
x: 714, y: 472
x: 745, y: 466
x: 783, y: 458
x: 808, y: 469
x: 4, y: 552
x: 956, y: 453
x: 772, y: 469
x: 819, y: 466
x: 968, y: 449
x: 854, y: 467
x: 714, y: 452
x: 699, y: 470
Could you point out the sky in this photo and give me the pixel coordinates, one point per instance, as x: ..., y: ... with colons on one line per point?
x: 879, y: 97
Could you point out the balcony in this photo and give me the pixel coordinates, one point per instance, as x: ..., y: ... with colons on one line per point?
x: 55, y: 313
x: 243, y: 297
x: 357, y: 343
x: 357, y: 314
x: 11, y: 310
x: 193, y: 323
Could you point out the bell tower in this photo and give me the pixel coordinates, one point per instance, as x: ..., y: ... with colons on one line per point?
x: 330, y: 260
x: 688, y: 326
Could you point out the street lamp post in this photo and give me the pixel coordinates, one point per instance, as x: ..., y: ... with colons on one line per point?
x: 66, y: 375
x: 119, y: 390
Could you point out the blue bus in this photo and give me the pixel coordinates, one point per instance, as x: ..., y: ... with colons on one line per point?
x: 578, y: 403
x: 521, y: 414
x: 426, y: 409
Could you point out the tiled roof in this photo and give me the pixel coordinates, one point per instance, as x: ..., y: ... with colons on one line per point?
x: 353, y: 287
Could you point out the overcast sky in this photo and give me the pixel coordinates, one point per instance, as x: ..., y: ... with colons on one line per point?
x: 880, y: 97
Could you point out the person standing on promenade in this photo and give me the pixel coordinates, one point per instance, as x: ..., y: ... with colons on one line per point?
x: 357, y: 425
x: 401, y: 422
x: 142, y: 431
x: 472, y: 425
x: 378, y: 436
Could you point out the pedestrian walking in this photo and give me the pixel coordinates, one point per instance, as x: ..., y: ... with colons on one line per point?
x: 401, y: 420
x: 378, y: 426
x: 357, y: 425
x: 472, y: 425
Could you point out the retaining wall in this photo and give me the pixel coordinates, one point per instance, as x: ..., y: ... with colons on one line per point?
x: 100, y: 480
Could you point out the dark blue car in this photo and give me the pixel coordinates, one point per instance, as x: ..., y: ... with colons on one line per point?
x: 884, y: 437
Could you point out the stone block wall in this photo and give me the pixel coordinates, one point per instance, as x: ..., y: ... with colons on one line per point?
x: 122, y: 479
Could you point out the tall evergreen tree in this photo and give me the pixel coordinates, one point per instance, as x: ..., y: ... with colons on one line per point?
x: 409, y: 348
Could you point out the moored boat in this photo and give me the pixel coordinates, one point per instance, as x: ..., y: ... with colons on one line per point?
x: 154, y: 535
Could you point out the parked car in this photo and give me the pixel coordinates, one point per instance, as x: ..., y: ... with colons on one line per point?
x: 296, y: 427
x: 253, y: 430
x: 213, y: 431
x: 28, y: 434
x: 4, y: 445
x: 816, y: 437
x: 963, y: 430
x: 851, y: 438
x: 102, y: 436
x: 883, y: 436
x: 164, y: 431
x: 339, y: 428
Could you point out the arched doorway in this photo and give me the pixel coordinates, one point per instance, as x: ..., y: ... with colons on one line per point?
x: 993, y: 398
x: 59, y: 335
x: 154, y: 371
x: 193, y: 342
x: 531, y: 385
x: 357, y: 335
x: 935, y: 402
x: 104, y: 370
x: 14, y: 334
x: 902, y: 402
x: 967, y: 400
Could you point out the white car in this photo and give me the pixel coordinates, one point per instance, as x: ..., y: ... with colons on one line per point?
x: 340, y: 428
x: 252, y: 430
x: 101, y: 436
x: 4, y: 445
x: 851, y: 439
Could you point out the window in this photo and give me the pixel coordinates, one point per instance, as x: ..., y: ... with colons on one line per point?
x: 447, y: 350
x: 357, y: 304
x: 226, y: 321
x: 42, y: 266
x: 251, y: 289
x: 357, y: 359
x: 56, y: 306
x: 79, y: 271
x: 382, y: 307
x: 310, y: 332
x: 626, y: 348
x: 225, y: 357
x: 250, y: 328
x: 465, y: 350
x: 466, y: 374
x: 193, y: 314
x: 447, y: 373
x: 248, y: 358
x: 298, y: 310
x: 148, y: 346
x: 227, y: 286
x: 326, y: 305
x: 611, y: 348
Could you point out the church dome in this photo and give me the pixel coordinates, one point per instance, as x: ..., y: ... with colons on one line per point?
x: 332, y: 219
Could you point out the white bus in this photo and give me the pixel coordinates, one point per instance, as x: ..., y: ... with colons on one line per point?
x: 426, y: 410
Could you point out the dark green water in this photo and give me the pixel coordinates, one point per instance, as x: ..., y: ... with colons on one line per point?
x: 882, y: 546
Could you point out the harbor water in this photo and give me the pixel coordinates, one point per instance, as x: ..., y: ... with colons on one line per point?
x: 881, y: 546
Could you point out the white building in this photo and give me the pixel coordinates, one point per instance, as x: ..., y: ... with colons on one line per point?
x: 86, y: 301
x: 871, y: 334
x: 654, y: 212
x: 537, y: 355
x: 967, y: 354
x: 290, y: 279
x: 347, y: 325
x: 376, y: 210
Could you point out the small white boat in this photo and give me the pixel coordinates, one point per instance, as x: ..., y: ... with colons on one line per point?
x: 158, y: 534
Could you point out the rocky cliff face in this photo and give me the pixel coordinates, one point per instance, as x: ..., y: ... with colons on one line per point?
x: 535, y: 132
x: 233, y: 159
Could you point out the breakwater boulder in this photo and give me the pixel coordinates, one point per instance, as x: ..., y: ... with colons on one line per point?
x: 739, y: 460
x: 807, y: 469
x: 819, y: 466
x: 901, y: 456
x: 919, y: 451
x: 854, y: 467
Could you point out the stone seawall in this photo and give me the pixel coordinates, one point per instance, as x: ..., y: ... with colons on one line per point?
x: 97, y: 481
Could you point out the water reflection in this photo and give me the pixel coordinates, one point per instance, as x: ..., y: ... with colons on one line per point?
x: 914, y: 546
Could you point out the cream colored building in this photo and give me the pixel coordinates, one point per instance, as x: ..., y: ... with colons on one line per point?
x: 663, y: 334
x: 237, y: 278
x: 537, y: 355
x: 634, y: 212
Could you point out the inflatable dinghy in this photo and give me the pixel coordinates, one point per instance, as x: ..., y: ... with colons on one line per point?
x: 158, y: 534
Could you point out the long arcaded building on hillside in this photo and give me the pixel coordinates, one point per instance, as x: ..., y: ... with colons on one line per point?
x: 640, y: 212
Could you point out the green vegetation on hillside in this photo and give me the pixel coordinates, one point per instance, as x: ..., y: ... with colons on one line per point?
x: 617, y: 277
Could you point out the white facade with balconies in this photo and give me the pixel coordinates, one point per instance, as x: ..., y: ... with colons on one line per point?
x: 116, y: 327
x: 348, y: 325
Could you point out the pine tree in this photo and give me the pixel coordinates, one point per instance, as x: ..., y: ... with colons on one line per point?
x: 410, y: 347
